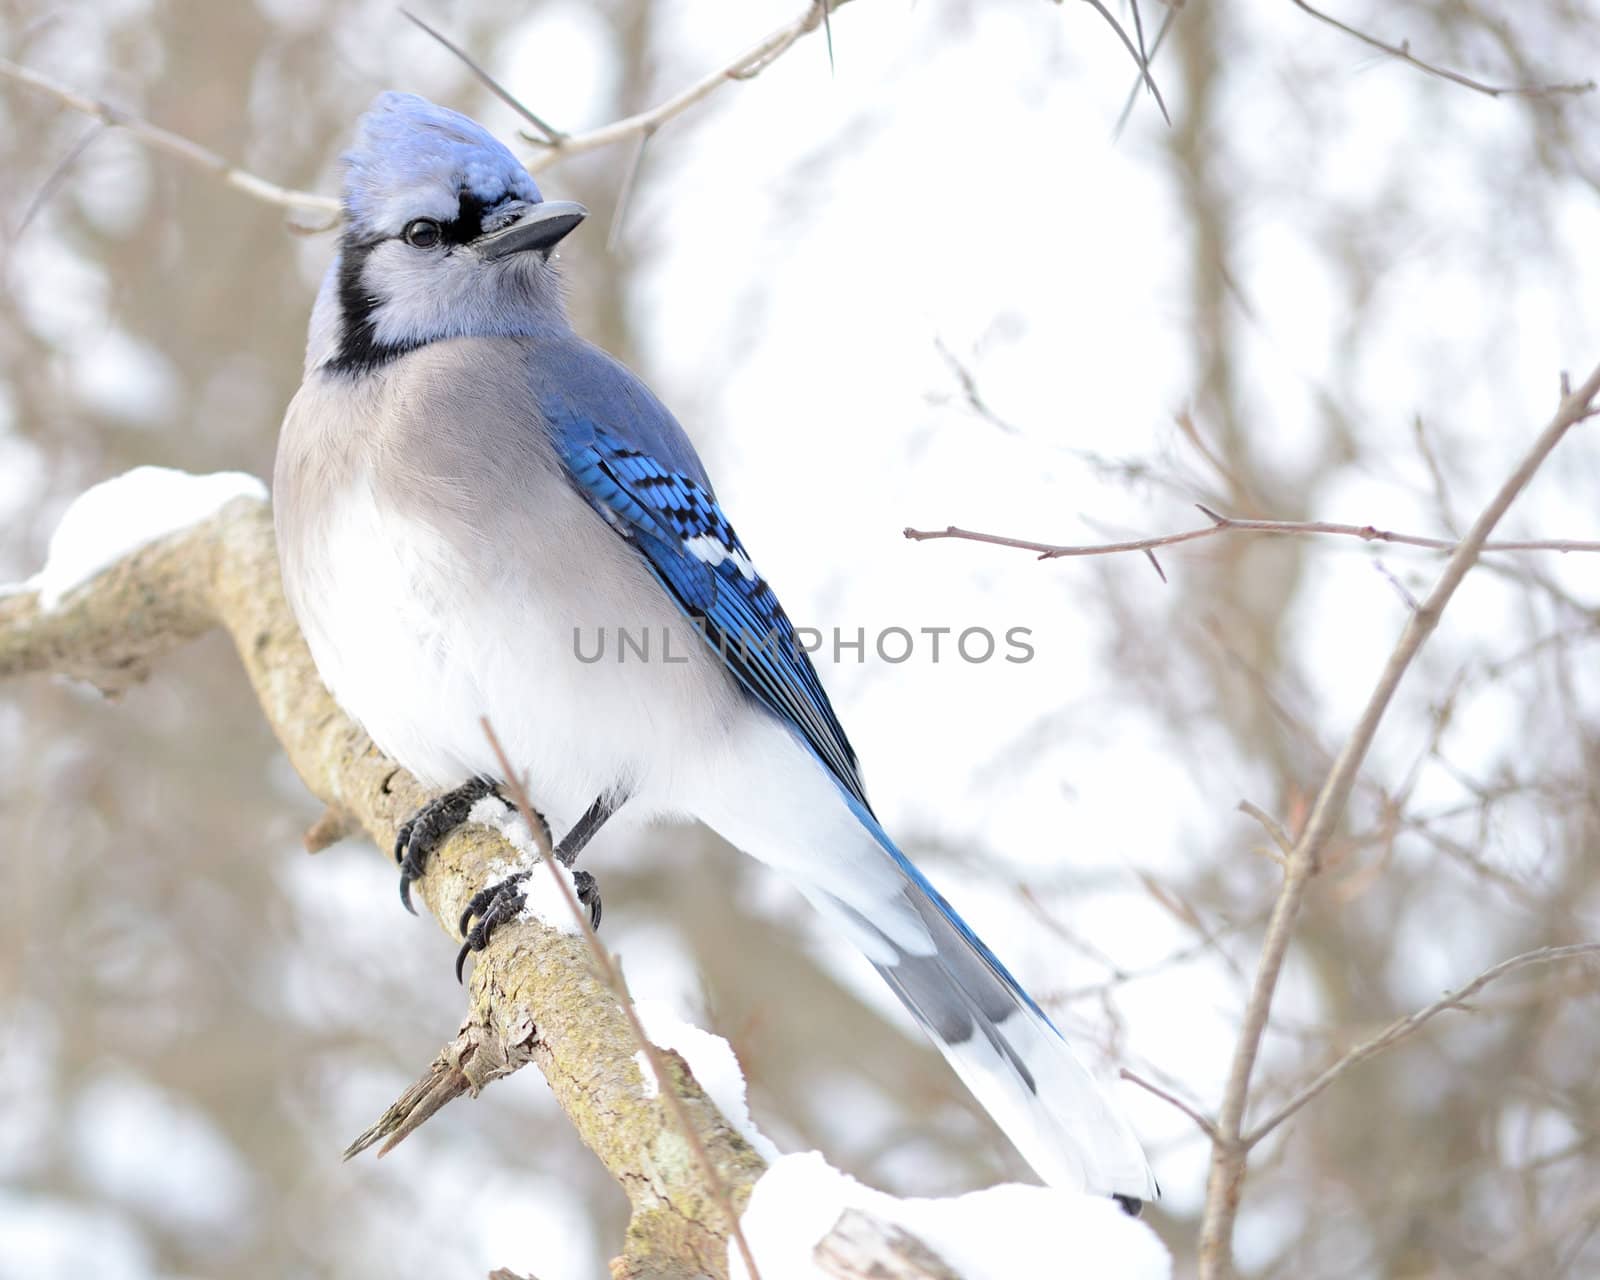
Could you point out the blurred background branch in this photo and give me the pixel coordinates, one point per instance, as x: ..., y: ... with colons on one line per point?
x: 1403, y: 52
x: 1305, y: 860
x: 175, y: 145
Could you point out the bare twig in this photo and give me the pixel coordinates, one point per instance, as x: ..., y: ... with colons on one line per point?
x: 550, y: 132
x: 750, y: 63
x: 1400, y: 588
x: 57, y: 176
x: 1403, y: 1027
x: 1271, y: 825
x: 174, y: 144
x: 1138, y: 82
x: 970, y: 392
x: 630, y: 178
x: 1221, y: 524
x: 1134, y: 52
x: 1403, y: 52
x: 612, y: 977
x: 1229, y: 1150
x: 1207, y: 1126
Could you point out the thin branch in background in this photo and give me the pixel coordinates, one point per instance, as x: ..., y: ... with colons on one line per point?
x: 1209, y: 944
x: 558, y: 145
x: 970, y: 392
x: 1436, y: 475
x: 57, y: 176
x: 1199, y: 1117
x: 630, y: 177
x: 748, y: 64
x: 1400, y: 588
x: 1221, y: 524
x: 1138, y: 83
x: 1135, y: 53
x: 1229, y: 1153
x: 1403, y: 1027
x: 550, y: 132
x: 606, y: 965
x: 175, y: 144
x: 1403, y: 52
x: 1138, y: 34
x: 1270, y: 825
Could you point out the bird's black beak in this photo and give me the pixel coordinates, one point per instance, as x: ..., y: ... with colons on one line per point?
x: 542, y: 227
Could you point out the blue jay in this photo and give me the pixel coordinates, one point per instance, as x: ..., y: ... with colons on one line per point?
x: 463, y: 483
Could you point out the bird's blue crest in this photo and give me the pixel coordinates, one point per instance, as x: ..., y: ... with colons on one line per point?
x: 415, y: 159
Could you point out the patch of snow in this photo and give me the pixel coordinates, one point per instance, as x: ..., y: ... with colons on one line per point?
x: 491, y: 811
x: 545, y: 902
x: 997, y: 1234
x: 712, y: 1061
x: 652, y: 1087
x: 118, y: 516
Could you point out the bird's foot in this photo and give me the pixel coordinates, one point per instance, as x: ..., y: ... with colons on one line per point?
x: 426, y: 829
x: 494, y: 904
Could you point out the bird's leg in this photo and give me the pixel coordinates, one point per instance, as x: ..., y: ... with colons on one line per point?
x: 426, y: 829
x: 494, y: 904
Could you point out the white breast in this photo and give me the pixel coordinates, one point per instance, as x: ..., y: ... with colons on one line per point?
x: 425, y: 616
x: 375, y: 603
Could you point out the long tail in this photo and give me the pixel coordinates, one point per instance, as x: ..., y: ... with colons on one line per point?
x: 1006, y: 1051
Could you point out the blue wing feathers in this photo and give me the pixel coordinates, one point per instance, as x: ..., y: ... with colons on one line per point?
x: 613, y: 445
x: 661, y: 508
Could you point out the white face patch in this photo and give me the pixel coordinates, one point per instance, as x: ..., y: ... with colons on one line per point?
x: 427, y: 294
x: 710, y: 550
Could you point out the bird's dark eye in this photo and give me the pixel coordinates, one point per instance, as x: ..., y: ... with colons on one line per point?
x: 422, y: 233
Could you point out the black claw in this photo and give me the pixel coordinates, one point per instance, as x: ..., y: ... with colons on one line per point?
x: 589, y: 895
x: 422, y: 833
x: 1131, y: 1205
x: 402, y: 838
x: 493, y: 906
x: 481, y: 900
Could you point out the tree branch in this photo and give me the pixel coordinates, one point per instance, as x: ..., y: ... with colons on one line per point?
x: 176, y: 144
x: 607, y: 967
x: 1402, y: 1027
x: 1221, y: 524
x: 557, y: 146
x: 1229, y: 1151
x: 752, y: 62
x: 861, y: 1247
x: 1403, y: 52
x: 1201, y: 1120
x: 534, y: 993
